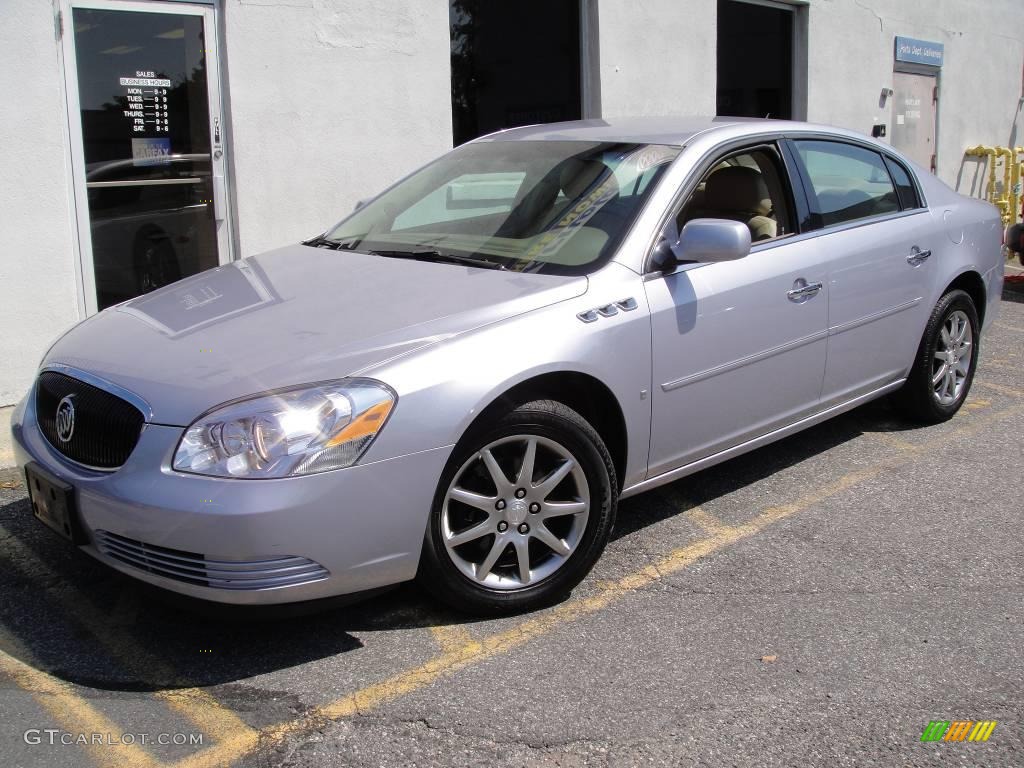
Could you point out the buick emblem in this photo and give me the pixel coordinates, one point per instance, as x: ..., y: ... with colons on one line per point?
x: 65, y: 420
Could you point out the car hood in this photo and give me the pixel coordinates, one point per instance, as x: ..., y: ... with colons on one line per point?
x: 290, y: 316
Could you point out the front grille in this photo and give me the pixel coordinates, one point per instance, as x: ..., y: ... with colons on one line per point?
x: 105, y: 427
x: 193, y: 568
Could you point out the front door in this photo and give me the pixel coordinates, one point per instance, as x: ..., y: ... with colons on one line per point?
x: 738, y: 346
x: 147, y: 145
x: 737, y: 352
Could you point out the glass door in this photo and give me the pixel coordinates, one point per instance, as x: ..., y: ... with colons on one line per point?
x: 147, y: 145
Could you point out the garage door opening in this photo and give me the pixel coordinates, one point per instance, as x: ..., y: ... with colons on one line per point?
x: 755, y: 59
x: 514, y: 62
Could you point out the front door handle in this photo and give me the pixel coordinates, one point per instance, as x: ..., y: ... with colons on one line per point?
x: 802, y: 290
x: 917, y: 256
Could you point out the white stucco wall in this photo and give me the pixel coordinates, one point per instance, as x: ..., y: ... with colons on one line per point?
x: 850, y: 60
x: 37, y: 261
x: 331, y: 101
x: 657, y: 57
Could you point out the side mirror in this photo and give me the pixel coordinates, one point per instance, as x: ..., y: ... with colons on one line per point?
x: 663, y: 258
x: 711, y: 240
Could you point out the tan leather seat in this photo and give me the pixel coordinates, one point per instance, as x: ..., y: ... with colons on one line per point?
x: 738, y: 193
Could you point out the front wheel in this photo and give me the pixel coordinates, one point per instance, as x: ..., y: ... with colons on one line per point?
x: 522, y: 512
x: 946, y: 358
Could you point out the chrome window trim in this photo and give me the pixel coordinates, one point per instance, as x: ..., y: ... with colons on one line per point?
x: 796, y: 238
x: 701, y: 167
x: 706, y: 161
x: 844, y: 226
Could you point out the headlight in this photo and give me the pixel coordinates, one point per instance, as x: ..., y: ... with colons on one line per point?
x: 293, y: 432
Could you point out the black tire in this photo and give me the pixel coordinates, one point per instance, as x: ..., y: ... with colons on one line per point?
x: 917, y: 398
x: 443, y: 579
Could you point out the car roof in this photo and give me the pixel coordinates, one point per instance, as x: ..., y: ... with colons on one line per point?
x: 674, y: 131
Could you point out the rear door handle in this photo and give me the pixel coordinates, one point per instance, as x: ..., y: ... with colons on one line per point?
x: 802, y: 290
x: 917, y: 256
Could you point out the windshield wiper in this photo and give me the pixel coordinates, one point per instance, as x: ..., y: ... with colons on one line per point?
x: 433, y: 255
x: 325, y: 242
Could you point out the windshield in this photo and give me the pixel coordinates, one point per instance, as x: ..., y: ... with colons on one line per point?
x: 557, y: 207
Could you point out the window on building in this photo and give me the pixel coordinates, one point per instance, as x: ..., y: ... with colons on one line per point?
x: 514, y: 62
x: 755, y: 60
x: 848, y: 182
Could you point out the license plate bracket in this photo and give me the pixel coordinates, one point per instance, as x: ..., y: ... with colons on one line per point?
x: 53, y: 502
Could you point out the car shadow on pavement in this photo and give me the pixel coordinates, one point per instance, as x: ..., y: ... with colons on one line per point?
x: 750, y: 468
x: 67, y: 614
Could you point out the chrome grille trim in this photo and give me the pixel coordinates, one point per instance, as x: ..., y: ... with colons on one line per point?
x: 106, y: 427
x: 194, y: 568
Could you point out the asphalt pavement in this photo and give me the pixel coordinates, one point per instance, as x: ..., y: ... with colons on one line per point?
x: 815, y: 603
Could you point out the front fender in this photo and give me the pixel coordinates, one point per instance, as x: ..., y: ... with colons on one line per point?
x: 442, y: 389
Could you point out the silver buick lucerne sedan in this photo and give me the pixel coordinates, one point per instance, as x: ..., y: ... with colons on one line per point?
x: 459, y: 381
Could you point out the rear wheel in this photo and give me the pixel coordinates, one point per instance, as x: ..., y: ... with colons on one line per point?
x: 946, y: 358
x: 522, y: 512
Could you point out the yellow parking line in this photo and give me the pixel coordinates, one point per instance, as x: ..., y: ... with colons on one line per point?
x: 223, y: 753
x: 502, y: 642
x: 1007, y: 327
x: 706, y: 521
x: 474, y: 652
x: 976, y: 403
x: 76, y: 716
x: 199, y: 707
x: 700, y: 517
x: 449, y: 637
x: 217, y: 721
x: 889, y: 438
x: 1002, y: 389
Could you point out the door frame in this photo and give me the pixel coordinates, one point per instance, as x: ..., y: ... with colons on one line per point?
x: 85, y: 275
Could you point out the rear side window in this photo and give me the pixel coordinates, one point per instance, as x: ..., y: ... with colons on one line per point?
x: 904, y: 185
x: 848, y: 182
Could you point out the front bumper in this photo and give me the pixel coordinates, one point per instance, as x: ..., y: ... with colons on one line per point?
x: 364, y: 525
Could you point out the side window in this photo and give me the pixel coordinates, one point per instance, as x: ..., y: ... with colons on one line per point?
x: 468, y: 196
x: 848, y: 182
x: 748, y: 186
x: 904, y: 185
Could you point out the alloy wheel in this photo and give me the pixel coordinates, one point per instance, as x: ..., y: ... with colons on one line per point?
x: 952, y: 358
x: 515, y: 512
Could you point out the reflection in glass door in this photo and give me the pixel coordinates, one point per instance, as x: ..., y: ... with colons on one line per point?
x: 150, y: 158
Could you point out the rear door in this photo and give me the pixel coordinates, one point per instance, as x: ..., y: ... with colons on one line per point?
x: 875, y: 238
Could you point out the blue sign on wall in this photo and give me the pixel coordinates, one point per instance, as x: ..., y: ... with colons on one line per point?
x: 919, y: 51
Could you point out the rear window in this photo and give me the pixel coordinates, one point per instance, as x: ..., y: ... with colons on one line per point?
x: 848, y: 182
x: 904, y: 185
